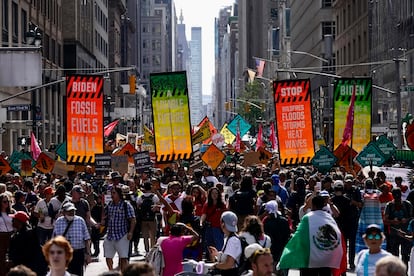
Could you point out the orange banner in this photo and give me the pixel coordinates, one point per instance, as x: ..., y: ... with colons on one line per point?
x: 294, y: 121
x: 84, y: 123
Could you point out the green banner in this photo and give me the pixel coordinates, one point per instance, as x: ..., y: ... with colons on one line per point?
x: 171, y: 116
x: 362, y: 110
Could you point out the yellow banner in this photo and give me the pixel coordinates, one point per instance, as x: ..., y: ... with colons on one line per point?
x: 202, y: 134
x: 171, y: 114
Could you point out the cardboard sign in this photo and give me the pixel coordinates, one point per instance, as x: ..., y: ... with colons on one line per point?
x: 294, y: 121
x: 128, y: 150
x: 120, y: 163
x: 239, y: 122
x: 264, y: 155
x: 142, y: 161
x: 228, y: 135
x: 61, y: 168
x: 44, y: 163
x: 103, y: 163
x: 213, y: 157
x: 202, y: 134
x: 171, y: 116
x: 84, y: 118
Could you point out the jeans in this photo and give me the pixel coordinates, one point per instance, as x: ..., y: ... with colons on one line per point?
x: 43, y: 235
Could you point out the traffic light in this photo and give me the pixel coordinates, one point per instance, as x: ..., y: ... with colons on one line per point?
x: 23, y: 141
x: 247, y: 107
x: 132, y: 84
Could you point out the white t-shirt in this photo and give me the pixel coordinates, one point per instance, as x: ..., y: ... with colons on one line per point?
x: 5, y: 223
x: 372, y: 260
x: 233, y: 248
x: 42, y: 208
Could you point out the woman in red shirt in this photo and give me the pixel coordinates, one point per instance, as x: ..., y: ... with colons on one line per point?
x: 199, y: 198
x: 210, y: 220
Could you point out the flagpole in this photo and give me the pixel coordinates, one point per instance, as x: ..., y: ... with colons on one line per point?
x: 352, y: 128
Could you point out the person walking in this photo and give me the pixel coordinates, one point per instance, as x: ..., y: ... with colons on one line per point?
x: 147, y: 203
x: 74, y: 229
x: 24, y: 245
x: 316, y: 246
x: 44, y: 227
x: 58, y: 254
x: 120, y: 220
x: 6, y: 229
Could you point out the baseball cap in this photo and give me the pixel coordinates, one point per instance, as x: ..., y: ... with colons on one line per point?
x: 77, y: 189
x: 373, y: 228
x: 324, y: 194
x: 251, y: 248
x: 338, y: 184
x: 68, y: 206
x: 19, y: 194
x: 230, y: 221
x: 20, y: 216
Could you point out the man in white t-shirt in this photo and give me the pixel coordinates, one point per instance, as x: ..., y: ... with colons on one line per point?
x: 44, y: 212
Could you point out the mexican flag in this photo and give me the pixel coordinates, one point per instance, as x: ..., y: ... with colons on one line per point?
x: 316, y: 243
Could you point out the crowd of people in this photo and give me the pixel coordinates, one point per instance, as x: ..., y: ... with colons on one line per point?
x: 240, y: 220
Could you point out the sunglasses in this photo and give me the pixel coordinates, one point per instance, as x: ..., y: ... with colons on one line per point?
x: 374, y: 237
x: 260, y: 252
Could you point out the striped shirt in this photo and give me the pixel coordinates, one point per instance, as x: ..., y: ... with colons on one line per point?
x: 77, y: 234
x: 117, y: 220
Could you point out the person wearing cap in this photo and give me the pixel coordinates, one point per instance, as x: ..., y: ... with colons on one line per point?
x: 116, y: 178
x: 41, y: 211
x: 261, y: 260
x: 277, y: 227
x: 329, y: 206
x: 24, y: 246
x: 120, y: 220
x: 82, y: 206
x: 19, y: 198
x: 74, y: 229
x: 366, y: 259
x: 228, y: 258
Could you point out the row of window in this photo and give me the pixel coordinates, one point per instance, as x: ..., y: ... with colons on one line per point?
x: 350, y: 13
x: 101, y: 44
x: 48, y: 8
x: 155, y: 44
x: 156, y: 60
x: 101, y: 18
x: 155, y: 28
x: 351, y: 53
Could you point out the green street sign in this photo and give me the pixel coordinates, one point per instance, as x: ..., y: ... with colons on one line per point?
x: 324, y: 159
x: 404, y: 155
x: 386, y: 146
x: 371, y: 155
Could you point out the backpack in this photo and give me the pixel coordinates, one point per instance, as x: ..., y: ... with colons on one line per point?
x: 147, y: 214
x: 241, y: 203
x: 156, y: 258
x: 243, y: 265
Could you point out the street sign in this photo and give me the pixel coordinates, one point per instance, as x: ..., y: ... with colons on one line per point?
x: 346, y: 155
x: 371, y: 155
x: 404, y: 155
x: 324, y: 159
x: 386, y: 146
x: 19, y: 107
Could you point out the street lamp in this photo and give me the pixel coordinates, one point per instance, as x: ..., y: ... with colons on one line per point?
x: 34, y: 37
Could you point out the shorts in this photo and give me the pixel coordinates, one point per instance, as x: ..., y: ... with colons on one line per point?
x: 116, y: 246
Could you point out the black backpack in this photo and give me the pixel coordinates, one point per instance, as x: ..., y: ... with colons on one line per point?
x: 241, y: 202
x: 147, y: 214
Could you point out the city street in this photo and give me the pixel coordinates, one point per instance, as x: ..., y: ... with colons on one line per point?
x: 98, y: 267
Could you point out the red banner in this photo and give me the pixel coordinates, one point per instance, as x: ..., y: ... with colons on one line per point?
x: 294, y: 121
x: 84, y: 120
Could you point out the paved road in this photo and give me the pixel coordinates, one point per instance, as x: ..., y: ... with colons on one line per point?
x: 98, y: 267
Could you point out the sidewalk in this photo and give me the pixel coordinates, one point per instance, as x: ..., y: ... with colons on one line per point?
x: 95, y: 268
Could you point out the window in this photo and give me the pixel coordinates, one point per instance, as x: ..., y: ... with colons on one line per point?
x: 156, y: 28
x: 156, y: 60
x: 24, y: 25
x: 326, y: 3
x: 328, y: 28
x: 156, y: 45
x: 15, y: 18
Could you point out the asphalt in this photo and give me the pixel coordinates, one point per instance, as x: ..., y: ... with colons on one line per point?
x: 99, y: 265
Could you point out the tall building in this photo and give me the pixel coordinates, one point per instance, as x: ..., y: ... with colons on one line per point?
x: 195, y: 76
x: 46, y: 103
x: 183, y: 51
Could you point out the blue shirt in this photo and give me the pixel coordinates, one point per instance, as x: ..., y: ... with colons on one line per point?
x: 118, y: 220
x: 77, y: 233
